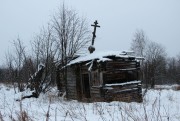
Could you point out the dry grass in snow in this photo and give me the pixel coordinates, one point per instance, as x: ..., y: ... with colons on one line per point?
x: 158, y: 105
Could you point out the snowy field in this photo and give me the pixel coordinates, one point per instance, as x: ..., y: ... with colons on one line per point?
x: 158, y: 105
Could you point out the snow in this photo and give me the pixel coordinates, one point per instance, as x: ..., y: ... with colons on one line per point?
x: 157, y: 105
x: 90, y: 67
x: 101, y: 56
x: 19, y: 95
x: 121, y: 84
x: 40, y: 66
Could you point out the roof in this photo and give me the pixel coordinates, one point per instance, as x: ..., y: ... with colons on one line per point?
x: 102, y: 56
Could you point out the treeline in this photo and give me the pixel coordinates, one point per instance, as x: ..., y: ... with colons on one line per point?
x: 157, y: 67
x: 64, y: 36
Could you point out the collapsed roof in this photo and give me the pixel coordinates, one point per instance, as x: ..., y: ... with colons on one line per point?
x: 104, y: 56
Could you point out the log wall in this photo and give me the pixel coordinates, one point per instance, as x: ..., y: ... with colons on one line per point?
x: 102, y: 74
x: 126, y: 93
x: 71, y: 84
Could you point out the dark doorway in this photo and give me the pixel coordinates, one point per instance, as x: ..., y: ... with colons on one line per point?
x: 86, y: 87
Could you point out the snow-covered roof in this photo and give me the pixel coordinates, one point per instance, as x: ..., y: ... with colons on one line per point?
x: 101, y: 56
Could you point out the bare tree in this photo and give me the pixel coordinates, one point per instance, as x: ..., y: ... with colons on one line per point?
x: 10, y: 67
x: 155, y: 65
x: 72, y: 36
x: 153, y: 68
x: 178, y: 69
x: 66, y: 36
x: 36, y: 49
x: 19, y: 57
x: 172, y: 69
x: 45, y: 51
x: 44, y: 46
x: 139, y: 43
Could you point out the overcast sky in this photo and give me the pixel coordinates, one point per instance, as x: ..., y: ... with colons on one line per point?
x: 119, y: 19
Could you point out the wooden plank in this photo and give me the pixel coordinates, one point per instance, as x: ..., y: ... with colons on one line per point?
x: 71, y: 88
x: 109, y: 63
x: 71, y: 84
x: 115, y: 76
x: 120, y: 65
x: 95, y: 92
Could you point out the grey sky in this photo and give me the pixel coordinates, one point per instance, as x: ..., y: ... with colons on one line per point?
x: 119, y: 19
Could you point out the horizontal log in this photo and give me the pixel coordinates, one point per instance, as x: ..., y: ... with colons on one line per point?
x: 125, y: 83
x: 120, y: 63
x: 96, y: 94
x: 71, y: 84
x: 71, y: 89
x: 124, y: 91
x: 95, y: 88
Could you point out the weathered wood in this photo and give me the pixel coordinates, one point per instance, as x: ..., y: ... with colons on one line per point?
x: 85, y: 85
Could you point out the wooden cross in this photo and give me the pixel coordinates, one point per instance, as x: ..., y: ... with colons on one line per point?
x: 94, y: 33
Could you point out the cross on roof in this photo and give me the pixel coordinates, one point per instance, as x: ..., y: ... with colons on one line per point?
x: 94, y: 32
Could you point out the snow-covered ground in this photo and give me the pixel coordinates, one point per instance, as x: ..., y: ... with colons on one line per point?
x: 158, y: 105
